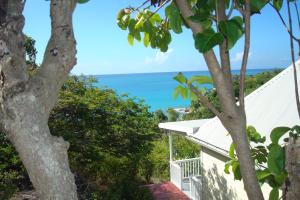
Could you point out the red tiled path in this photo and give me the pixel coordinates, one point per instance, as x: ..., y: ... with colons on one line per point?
x: 166, y: 191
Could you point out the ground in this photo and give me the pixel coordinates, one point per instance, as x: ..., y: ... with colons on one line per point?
x: 166, y: 191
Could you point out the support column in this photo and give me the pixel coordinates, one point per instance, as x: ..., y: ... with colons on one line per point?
x: 171, y: 146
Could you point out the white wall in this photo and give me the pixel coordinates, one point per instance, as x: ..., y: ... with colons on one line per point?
x: 217, y: 185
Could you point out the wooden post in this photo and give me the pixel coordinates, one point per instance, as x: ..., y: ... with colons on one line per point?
x: 171, y: 146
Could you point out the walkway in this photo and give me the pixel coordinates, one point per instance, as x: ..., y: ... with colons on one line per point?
x: 166, y: 191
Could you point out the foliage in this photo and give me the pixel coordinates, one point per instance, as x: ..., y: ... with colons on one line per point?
x: 157, y: 28
x: 109, y: 135
x: 160, y: 116
x: 31, y: 51
x: 173, y: 115
x: 13, y: 176
x: 269, y: 160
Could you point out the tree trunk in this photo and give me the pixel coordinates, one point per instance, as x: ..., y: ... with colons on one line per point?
x: 292, y: 163
x: 44, y: 156
x: 237, y: 129
x: 25, y: 102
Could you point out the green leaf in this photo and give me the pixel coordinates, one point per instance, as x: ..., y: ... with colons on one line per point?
x: 274, y: 194
x: 155, y: 19
x: 200, y: 15
x: 200, y: 80
x: 236, y: 170
x: 227, y: 166
x: 123, y: 19
x: 182, y: 91
x: 277, y: 133
x: 180, y: 78
x: 174, y: 17
x: 231, y: 151
x: 277, y: 4
x: 206, y: 24
x: 232, y: 30
x: 146, y: 39
x: 206, y: 40
x: 280, y: 178
x: 137, y: 36
x: 257, y: 5
x: 260, y: 175
x: 130, y: 39
x: 82, y: 1
x: 193, y: 96
x: 254, y: 136
x: 140, y: 23
x: 276, y: 159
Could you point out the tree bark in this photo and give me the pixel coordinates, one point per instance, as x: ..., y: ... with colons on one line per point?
x: 292, y: 164
x: 44, y: 156
x: 237, y: 129
x: 25, y: 102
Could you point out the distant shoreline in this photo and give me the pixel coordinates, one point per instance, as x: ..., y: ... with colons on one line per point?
x: 141, y: 73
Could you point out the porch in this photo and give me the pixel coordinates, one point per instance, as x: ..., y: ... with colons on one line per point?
x: 185, y: 174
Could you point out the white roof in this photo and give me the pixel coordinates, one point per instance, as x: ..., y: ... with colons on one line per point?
x: 188, y: 127
x: 271, y: 105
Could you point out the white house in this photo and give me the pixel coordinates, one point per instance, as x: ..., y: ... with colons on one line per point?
x: 271, y: 105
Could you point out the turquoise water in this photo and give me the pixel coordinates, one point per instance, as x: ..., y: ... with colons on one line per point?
x: 155, y: 88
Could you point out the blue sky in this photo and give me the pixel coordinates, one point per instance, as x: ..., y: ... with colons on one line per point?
x: 103, y: 47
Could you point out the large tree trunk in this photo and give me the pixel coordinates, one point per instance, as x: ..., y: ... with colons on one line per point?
x: 44, y: 156
x: 26, y: 102
x: 237, y: 129
x: 292, y: 185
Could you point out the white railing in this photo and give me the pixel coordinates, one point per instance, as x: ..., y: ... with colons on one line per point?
x: 196, y: 187
x: 190, y: 167
x: 175, y: 174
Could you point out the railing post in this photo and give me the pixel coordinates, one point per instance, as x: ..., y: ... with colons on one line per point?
x: 191, y: 188
x: 170, y: 146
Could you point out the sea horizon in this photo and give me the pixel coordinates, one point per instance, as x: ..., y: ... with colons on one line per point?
x: 108, y: 74
x: 156, y: 89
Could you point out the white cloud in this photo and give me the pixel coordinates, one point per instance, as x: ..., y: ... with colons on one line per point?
x: 159, y: 57
x: 239, y: 56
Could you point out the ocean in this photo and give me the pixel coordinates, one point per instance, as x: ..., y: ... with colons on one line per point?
x: 156, y: 89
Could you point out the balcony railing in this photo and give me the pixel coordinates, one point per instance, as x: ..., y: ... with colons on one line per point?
x: 189, y: 167
x: 186, y: 175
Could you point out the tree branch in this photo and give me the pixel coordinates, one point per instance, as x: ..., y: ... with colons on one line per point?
x: 223, y: 48
x: 140, y: 6
x: 284, y: 24
x: 293, y: 59
x: 204, y: 100
x: 158, y: 8
x: 246, y: 16
x: 59, y: 57
x: 297, y: 12
x: 227, y: 100
x: 11, y: 44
